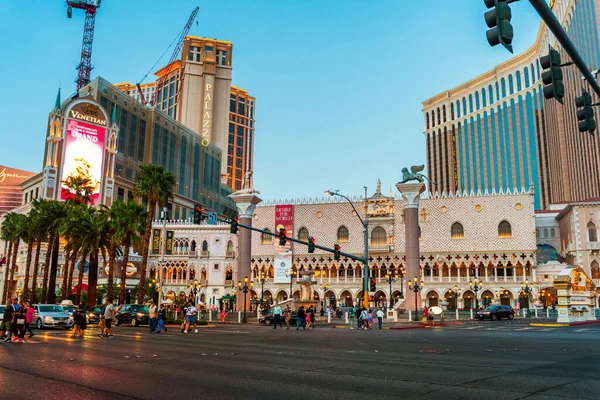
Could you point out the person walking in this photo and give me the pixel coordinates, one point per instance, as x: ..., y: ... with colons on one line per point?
x: 277, y: 316
x: 370, y: 319
x: 77, y: 316
x: 162, y: 318
x: 307, y: 317
x: 152, y: 321
x: 108, y: 316
x: 82, y: 311
x: 301, y: 322
x: 222, y: 315
x: 7, y: 320
x: 311, y: 312
x: 359, y: 321
x: 364, y: 317
x: 29, y: 318
x: 351, y: 316
x: 190, y: 318
x: 19, y: 324
x: 287, y: 315
x: 380, y: 318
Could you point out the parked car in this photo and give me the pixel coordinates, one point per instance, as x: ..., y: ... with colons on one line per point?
x: 133, y: 314
x: 51, y: 316
x: 93, y: 315
x: 496, y: 312
x: 268, y: 319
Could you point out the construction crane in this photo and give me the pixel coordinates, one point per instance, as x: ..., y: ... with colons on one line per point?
x: 85, y: 65
x: 176, y: 52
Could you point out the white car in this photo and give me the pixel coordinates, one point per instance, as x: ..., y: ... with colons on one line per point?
x: 51, y: 316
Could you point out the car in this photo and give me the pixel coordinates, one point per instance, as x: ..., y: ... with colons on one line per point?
x: 496, y: 312
x: 51, y: 316
x: 93, y: 315
x: 268, y: 319
x: 69, y: 309
x: 133, y: 314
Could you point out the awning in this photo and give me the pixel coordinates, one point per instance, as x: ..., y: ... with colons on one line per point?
x: 226, y: 297
x: 84, y: 287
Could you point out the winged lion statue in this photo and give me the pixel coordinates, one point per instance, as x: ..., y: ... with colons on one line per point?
x: 414, y: 175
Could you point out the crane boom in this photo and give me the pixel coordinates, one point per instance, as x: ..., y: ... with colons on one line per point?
x: 84, y: 67
x: 176, y: 53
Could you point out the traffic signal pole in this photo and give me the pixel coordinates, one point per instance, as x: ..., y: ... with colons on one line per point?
x: 544, y: 10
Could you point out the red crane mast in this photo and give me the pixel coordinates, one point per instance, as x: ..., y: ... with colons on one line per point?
x: 84, y: 67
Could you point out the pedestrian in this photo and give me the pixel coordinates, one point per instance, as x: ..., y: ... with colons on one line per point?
x: 308, y: 322
x: 82, y: 311
x: 277, y: 316
x: 152, y: 316
x: 7, y: 319
x: 76, y: 322
x: 19, y: 324
x: 190, y: 318
x: 359, y: 320
x: 29, y: 318
x: 222, y: 315
x: 287, y: 315
x: 162, y: 318
x: 108, y: 315
x: 301, y: 322
x: 380, y: 318
x: 351, y: 316
x: 364, y: 317
x: 311, y: 312
x: 370, y: 319
x: 425, y: 318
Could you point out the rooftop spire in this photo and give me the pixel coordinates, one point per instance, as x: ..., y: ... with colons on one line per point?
x: 57, y: 102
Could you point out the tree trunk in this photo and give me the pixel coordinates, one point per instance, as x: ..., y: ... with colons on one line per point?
x: 124, y: 270
x: 92, y: 278
x: 53, y: 270
x: 63, y: 291
x: 71, y: 272
x: 112, y: 256
x: 46, y: 269
x: 147, y: 233
x: 80, y: 279
x: 8, y: 259
x: 36, y: 266
x: 14, y: 268
x: 27, y: 268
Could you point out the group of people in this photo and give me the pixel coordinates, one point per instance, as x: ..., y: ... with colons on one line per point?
x: 16, y: 321
x: 279, y: 315
x: 365, y: 318
x: 157, y: 317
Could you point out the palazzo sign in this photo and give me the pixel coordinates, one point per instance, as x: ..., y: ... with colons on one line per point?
x: 284, y: 218
x: 207, y: 115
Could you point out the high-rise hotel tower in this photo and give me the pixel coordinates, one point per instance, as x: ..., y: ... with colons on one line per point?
x: 496, y: 132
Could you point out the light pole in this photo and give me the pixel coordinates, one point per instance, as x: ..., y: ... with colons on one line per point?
x: 457, y: 292
x: 416, y: 287
x: 366, y: 239
x: 290, y: 274
x: 476, y: 285
x: 18, y: 292
x: 262, y: 280
x: 195, y: 286
x: 324, y: 286
x: 389, y: 278
x: 525, y: 290
x: 543, y: 297
x: 402, y: 272
x: 245, y: 288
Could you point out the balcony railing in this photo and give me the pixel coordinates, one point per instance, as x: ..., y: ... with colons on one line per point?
x: 230, y: 254
x: 204, y: 254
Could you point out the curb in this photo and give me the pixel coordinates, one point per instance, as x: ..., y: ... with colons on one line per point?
x: 563, y: 325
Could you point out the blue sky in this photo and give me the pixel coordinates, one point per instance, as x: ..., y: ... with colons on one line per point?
x: 339, y: 84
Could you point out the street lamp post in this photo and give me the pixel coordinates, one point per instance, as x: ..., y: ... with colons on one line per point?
x: 416, y: 287
x: 457, y: 292
x: 324, y: 286
x: 195, y: 287
x: 476, y: 285
x: 389, y: 278
x: 245, y: 289
x: 402, y: 272
x: 366, y: 244
x: 290, y: 274
x: 18, y: 292
x: 525, y: 290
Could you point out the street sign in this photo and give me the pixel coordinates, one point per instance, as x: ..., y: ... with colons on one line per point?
x: 212, y: 218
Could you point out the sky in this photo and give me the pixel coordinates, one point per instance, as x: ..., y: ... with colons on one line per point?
x: 339, y: 84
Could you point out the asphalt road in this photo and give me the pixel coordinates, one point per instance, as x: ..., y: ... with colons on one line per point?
x: 499, y: 360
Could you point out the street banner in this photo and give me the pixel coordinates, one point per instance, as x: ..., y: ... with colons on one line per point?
x: 155, y: 241
x: 284, y: 218
x: 170, y: 235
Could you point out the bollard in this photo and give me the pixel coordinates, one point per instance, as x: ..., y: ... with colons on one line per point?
x: 395, y: 316
x: 346, y: 317
x: 239, y: 317
x: 547, y: 313
x: 209, y: 316
x: 536, y: 313
x: 457, y: 313
x: 471, y: 311
x: 409, y: 315
x: 328, y: 318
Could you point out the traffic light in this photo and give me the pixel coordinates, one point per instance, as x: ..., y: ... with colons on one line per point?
x: 234, y: 225
x: 311, y: 245
x: 282, y: 239
x: 336, y: 252
x: 373, y: 285
x: 553, y: 76
x: 585, y: 113
x: 197, y: 214
x: 498, y: 20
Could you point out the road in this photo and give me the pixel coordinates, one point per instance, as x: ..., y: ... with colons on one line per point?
x: 500, y: 360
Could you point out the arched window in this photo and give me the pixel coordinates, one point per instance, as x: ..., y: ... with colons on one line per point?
x: 464, y: 106
x: 503, y: 85
x: 378, y: 237
x: 439, y: 121
x: 592, y: 233
x: 526, y: 76
x: 552, y: 232
x: 491, y: 94
x: 228, y: 274
x: 265, y: 238
x: 452, y: 111
x: 504, y: 230
x: 432, y: 117
x: 444, y: 113
x: 476, y: 100
x: 511, y: 88
x: 205, y: 246
x: 427, y: 117
x: 303, y: 234
x: 595, y: 269
x: 457, y: 231
x: 483, y: 97
x: 230, y: 246
x: 518, y: 76
x: 458, y: 108
x: 470, y: 103
x: 545, y: 253
x: 343, y: 235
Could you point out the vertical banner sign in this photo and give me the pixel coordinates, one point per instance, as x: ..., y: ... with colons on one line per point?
x: 155, y: 241
x: 84, y: 151
x: 207, y: 114
x: 170, y: 235
x: 284, y: 218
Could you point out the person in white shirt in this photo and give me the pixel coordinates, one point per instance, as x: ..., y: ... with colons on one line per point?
x: 380, y: 317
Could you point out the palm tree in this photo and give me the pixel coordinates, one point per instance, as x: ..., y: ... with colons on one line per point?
x: 7, y: 231
x: 40, y: 235
x: 128, y: 220
x: 29, y: 237
x: 20, y: 227
x: 152, y: 183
